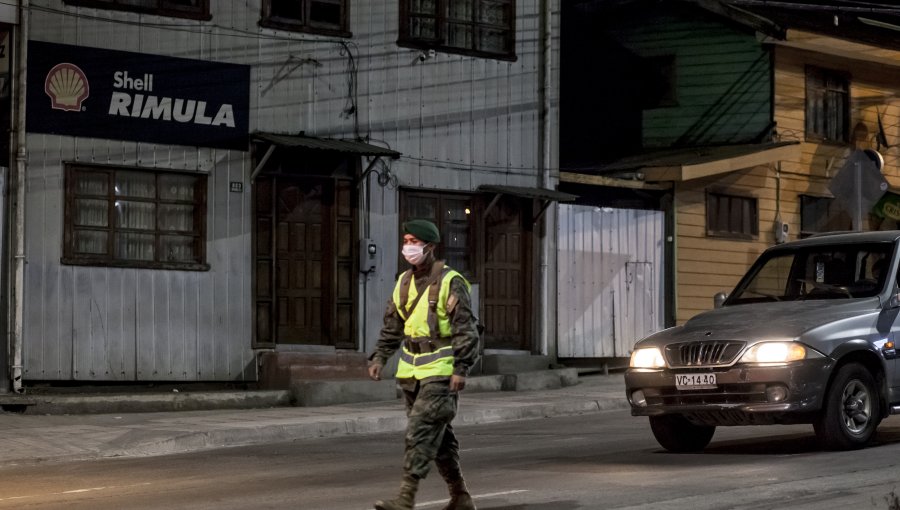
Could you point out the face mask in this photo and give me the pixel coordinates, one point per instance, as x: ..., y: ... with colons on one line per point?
x: 414, y: 253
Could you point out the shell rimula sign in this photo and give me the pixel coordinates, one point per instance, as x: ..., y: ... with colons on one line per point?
x: 67, y: 87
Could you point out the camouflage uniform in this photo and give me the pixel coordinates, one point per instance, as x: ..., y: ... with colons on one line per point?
x: 430, y: 406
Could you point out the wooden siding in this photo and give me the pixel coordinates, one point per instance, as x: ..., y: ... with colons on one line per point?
x: 707, y: 265
x: 722, y: 78
x: 459, y: 122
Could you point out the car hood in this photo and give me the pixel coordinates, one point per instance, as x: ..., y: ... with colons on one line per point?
x: 767, y: 320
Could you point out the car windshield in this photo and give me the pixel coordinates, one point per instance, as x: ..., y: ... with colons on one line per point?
x: 841, y: 271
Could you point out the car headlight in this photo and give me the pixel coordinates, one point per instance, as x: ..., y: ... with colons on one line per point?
x: 775, y: 352
x: 648, y: 357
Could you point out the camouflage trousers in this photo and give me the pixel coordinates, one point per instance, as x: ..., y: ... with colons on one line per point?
x: 430, y: 408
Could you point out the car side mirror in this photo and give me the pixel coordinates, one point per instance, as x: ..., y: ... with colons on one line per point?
x: 720, y: 297
x: 893, y: 301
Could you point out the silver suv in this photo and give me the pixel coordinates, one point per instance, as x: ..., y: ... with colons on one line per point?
x: 807, y: 336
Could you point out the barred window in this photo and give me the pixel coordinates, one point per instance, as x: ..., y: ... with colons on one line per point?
x: 827, y: 105
x: 327, y: 17
x: 470, y: 27
x: 192, y: 9
x: 132, y: 218
x: 731, y: 216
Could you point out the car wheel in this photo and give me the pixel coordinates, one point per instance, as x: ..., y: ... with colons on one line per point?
x: 850, y: 410
x: 676, y: 434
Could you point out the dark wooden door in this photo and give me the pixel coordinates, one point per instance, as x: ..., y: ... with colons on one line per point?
x: 507, y: 278
x: 304, y: 254
x: 302, y: 259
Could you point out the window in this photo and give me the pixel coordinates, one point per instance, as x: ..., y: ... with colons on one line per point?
x: 453, y: 216
x: 327, y: 17
x: 470, y: 27
x: 827, y: 105
x: 131, y: 218
x: 659, y: 82
x: 192, y: 9
x: 821, y: 214
x: 731, y: 216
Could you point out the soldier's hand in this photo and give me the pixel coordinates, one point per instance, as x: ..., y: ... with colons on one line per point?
x: 375, y: 371
x: 457, y: 383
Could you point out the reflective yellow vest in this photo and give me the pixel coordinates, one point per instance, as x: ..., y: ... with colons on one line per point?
x: 426, y: 350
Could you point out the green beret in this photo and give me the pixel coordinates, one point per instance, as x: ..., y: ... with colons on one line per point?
x: 424, y: 230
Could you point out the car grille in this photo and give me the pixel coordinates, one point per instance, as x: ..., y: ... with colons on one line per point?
x: 695, y: 354
x: 739, y: 393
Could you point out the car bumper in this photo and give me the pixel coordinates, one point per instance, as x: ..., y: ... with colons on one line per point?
x: 744, y: 394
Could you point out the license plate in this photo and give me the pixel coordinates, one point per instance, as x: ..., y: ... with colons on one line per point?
x: 695, y: 381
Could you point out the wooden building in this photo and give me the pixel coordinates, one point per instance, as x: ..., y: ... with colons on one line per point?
x: 210, y: 183
x: 733, y: 120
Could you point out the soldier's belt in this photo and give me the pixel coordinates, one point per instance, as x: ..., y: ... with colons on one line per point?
x: 425, y: 345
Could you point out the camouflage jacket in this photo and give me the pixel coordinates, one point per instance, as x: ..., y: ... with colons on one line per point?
x: 463, y: 329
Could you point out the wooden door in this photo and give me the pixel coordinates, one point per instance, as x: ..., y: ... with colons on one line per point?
x: 302, y: 259
x: 507, y: 277
x: 305, y: 261
x: 292, y: 255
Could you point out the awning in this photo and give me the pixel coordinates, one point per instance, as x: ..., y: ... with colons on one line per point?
x: 526, y: 192
x: 696, y: 162
x: 325, y: 144
x: 546, y: 196
x: 302, y: 141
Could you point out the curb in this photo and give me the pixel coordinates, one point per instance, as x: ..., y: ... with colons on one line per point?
x: 386, y: 422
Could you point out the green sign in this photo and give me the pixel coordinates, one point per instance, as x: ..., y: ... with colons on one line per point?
x: 888, y: 206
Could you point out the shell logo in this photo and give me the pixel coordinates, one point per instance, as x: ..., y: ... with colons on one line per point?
x: 67, y: 87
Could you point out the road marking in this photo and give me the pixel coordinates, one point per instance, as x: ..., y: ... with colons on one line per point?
x: 76, y: 491
x: 474, y: 496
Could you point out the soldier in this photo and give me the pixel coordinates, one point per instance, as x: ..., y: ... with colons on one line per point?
x: 438, y: 342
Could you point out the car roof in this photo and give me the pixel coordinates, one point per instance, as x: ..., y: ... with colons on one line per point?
x: 879, y: 236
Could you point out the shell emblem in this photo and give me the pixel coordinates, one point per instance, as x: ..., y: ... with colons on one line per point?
x: 67, y: 87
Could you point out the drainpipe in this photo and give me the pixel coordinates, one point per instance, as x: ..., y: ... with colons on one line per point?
x: 18, y: 184
x: 546, y: 318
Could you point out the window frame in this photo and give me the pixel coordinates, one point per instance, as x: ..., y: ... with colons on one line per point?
x: 442, y: 21
x: 267, y: 20
x: 711, y: 212
x: 818, y: 81
x: 471, y: 249
x: 164, y: 8
x: 110, y: 259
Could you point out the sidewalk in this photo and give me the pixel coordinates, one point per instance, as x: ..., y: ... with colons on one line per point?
x: 41, y: 438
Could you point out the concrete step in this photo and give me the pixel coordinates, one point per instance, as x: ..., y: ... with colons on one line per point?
x: 511, y: 363
x: 100, y: 403
x: 278, y: 370
x: 524, y: 381
x: 335, y: 392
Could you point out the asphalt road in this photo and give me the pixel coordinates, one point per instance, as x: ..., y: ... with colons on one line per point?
x: 601, y: 461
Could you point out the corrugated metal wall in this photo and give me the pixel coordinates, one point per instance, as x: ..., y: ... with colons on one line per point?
x: 611, y: 279
x: 459, y: 121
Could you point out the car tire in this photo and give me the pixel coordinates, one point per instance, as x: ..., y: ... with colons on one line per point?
x: 850, y: 412
x: 676, y: 434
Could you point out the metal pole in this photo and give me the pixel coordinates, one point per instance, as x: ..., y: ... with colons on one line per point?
x: 18, y: 184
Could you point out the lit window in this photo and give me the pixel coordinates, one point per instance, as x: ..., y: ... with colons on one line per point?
x: 132, y: 218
